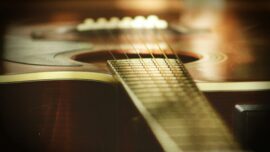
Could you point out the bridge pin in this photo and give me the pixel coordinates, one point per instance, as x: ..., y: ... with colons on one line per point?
x: 138, y: 22
x: 125, y: 23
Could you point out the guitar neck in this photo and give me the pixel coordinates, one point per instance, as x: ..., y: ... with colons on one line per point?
x: 176, y: 111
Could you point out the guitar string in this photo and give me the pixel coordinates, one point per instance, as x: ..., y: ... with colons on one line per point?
x: 126, y: 55
x: 142, y: 61
x: 98, y: 33
x: 101, y: 41
x: 203, y: 99
x: 187, y: 90
x: 147, y: 48
x: 115, y: 39
x: 168, y: 44
x: 153, y: 57
x: 224, y: 133
x: 156, y: 63
x: 164, y: 54
x: 162, y: 51
x: 158, y: 66
x: 174, y: 90
x: 168, y: 61
x: 159, y: 88
x: 138, y: 52
x: 140, y: 57
x: 162, y: 36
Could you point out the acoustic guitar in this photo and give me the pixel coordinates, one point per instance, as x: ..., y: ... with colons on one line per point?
x: 120, y: 84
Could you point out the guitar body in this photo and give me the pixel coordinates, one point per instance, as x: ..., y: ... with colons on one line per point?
x: 58, y: 94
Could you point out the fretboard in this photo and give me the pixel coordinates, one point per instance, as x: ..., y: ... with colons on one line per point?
x: 176, y: 111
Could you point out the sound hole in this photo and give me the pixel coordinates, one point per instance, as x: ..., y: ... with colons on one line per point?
x: 101, y: 56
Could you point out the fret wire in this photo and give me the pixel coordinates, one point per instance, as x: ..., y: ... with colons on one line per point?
x: 143, y: 63
x: 152, y: 70
x: 172, y: 50
x: 160, y: 107
x: 156, y: 63
x: 161, y: 34
x: 154, y: 75
x: 111, y: 34
x: 123, y: 50
x: 150, y: 54
x: 164, y: 54
x: 176, y: 107
x: 184, y: 70
x: 140, y: 61
x: 176, y: 55
x: 125, y: 53
x: 114, y: 37
x: 138, y: 52
x: 187, y: 74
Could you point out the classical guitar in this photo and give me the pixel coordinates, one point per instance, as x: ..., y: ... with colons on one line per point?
x: 61, y: 85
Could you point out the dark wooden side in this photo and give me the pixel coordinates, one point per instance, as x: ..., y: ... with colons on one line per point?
x: 59, y: 116
x: 70, y: 116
